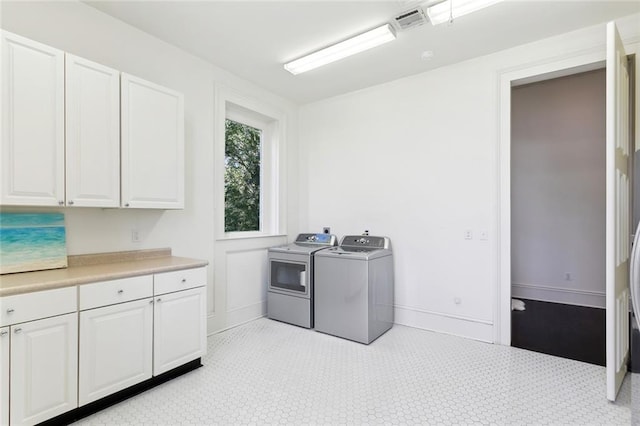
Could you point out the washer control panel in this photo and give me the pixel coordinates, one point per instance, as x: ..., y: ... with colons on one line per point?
x: 365, y: 241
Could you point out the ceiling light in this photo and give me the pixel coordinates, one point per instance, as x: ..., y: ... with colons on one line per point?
x: 446, y: 11
x: 349, y: 47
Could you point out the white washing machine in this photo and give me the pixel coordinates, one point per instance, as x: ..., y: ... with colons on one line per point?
x: 354, y: 288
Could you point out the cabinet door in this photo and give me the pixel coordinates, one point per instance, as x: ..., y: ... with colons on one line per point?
x: 179, y: 332
x: 152, y: 137
x: 92, y: 134
x: 115, y: 348
x: 44, y: 369
x: 4, y: 376
x: 32, y: 141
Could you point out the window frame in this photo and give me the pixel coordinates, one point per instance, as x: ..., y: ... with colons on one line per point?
x: 271, y: 121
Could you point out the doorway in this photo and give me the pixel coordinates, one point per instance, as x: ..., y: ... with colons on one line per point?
x: 558, y: 216
x: 619, y: 119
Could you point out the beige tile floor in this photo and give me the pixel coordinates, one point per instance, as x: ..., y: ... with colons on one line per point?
x: 266, y: 372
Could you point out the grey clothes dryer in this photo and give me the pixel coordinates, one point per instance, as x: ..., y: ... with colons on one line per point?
x: 290, y: 287
x: 354, y: 288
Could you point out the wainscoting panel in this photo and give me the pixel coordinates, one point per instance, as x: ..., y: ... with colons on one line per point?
x: 246, y: 278
x: 240, y: 281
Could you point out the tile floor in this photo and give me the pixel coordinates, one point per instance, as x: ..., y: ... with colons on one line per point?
x: 266, y: 372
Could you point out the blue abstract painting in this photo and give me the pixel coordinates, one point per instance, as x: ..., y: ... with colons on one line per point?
x: 32, y: 242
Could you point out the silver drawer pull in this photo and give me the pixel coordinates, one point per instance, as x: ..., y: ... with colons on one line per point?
x: 17, y: 330
x: 3, y: 333
x: 158, y: 300
x: 151, y: 302
x: 120, y: 291
x: 10, y: 310
x: 184, y: 280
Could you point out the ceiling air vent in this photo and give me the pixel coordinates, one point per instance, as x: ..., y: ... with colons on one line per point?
x: 409, y: 19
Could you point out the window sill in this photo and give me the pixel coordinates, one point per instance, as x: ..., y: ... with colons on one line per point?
x: 247, y: 236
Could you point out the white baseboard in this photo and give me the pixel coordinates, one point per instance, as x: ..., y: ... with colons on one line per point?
x: 443, y: 323
x: 246, y: 313
x: 594, y: 299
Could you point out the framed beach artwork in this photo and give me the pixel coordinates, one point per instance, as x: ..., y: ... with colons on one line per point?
x: 32, y: 242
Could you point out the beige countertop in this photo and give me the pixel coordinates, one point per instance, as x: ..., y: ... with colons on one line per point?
x: 101, y: 267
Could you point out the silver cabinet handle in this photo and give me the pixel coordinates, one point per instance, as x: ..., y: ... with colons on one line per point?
x: 120, y: 291
x: 10, y: 310
x: 126, y: 205
x: 151, y: 302
x: 70, y: 202
x: 3, y: 333
x: 17, y: 330
x: 61, y: 203
x: 158, y: 300
x: 184, y: 280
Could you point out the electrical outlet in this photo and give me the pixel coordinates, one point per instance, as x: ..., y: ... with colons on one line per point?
x: 468, y: 234
x: 135, y: 236
x: 484, y: 235
x: 457, y: 300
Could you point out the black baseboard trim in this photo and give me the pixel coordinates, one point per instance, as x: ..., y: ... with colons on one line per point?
x: 93, y: 407
x: 634, y: 346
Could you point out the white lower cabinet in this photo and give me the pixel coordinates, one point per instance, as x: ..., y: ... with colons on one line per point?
x: 44, y: 369
x: 179, y: 329
x: 4, y: 376
x: 115, y: 348
x: 64, y: 348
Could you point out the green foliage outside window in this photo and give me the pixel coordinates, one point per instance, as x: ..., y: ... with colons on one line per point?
x: 241, y: 177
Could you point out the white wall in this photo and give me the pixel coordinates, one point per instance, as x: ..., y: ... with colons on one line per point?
x: 558, y: 190
x: 82, y: 30
x: 417, y: 160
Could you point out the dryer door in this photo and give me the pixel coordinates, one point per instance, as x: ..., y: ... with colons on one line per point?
x: 290, y: 275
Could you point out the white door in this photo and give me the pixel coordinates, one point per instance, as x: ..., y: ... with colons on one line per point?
x: 179, y: 333
x: 617, y: 257
x: 115, y: 348
x: 92, y: 134
x: 152, y: 145
x: 44, y: 369
x: 32, y: 140
x: 4, y: 376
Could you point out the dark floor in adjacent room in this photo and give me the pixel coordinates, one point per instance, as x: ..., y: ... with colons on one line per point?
x: 568, y: 331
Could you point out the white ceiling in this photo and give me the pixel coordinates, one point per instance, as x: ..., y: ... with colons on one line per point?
x: 252, y: 39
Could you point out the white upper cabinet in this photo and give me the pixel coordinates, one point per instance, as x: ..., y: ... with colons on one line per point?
x: 92, y: 134
x: 152, y: 142
x: 123, y: 145
x: 32, y: 141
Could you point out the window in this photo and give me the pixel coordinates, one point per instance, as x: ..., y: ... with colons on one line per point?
x: 242, y: 158
x: 249, y: 179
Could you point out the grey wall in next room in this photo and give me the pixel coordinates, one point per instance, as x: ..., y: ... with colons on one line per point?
x: 558, y: 189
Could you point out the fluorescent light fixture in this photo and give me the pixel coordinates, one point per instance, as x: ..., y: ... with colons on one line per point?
x: 442, y: 12
x: 357, y: 44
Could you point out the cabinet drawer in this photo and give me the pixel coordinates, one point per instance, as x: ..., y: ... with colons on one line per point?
x: 115, y: 291
x: 36, y: 305
x: 168, y: 282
